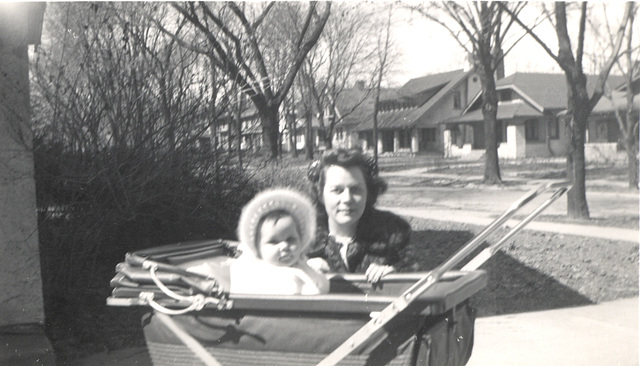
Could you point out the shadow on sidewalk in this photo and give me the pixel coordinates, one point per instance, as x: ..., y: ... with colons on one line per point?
x: 512, y: 288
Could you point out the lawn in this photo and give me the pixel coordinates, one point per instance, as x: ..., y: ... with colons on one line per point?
x: 534, y: 271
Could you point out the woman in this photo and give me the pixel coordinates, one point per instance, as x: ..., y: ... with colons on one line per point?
x: 352, y: 235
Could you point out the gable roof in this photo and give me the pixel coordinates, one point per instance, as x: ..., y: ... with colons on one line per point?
x: 355, y: 105
x: 423, y: 93
x: 635, y: 83
x: 543, y: 92
x: 506, y: 110
x: 547, y: 92
x: 616, y: 101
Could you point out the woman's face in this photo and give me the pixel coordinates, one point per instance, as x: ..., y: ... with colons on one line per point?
x: 345, y: 197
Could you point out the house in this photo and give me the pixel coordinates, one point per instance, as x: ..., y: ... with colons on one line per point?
x: 299, y: 131
x: 603, y: 132
x: 441, y: 114
x: 409, y: 119
x: 351, y: 107
x: 225, y: 131
x: 530, y: 108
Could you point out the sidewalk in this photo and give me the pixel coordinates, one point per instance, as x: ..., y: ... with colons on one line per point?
x: 603, y: 334
x: 485, y: 218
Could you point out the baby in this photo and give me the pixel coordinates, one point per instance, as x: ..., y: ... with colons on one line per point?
x: 274, y: 230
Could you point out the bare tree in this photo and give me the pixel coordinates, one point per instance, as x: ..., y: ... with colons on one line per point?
x: 480, y: 28
x: 628, y: 125
x: 383, y: 60
x: 580, y: 104
x: 233, y: 35
x: 342, y: 55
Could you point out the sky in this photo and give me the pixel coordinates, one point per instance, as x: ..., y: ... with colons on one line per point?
x: 427, y: 48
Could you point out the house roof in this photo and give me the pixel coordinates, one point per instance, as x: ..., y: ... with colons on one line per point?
x: 635, y: 80
x: 506, y: 110
x: 540, y: 92
x: 618, y: 100
x: 301, y: 122
x: 393, y: 119
x: 249, y: 112
x: 547, y: 92
x: 355, y: 105
x: 424, y: 92
x: 428, y: 82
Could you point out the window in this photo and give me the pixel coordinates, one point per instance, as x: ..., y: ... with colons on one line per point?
x: 505, y: 95
x: 553, y: 128
x: 429, y: 135
x: 339, y: 133
x: 458, y: 135
x: 501, y: 131
x: 457, y: 99
x: 532, y: 130
x: 204, y: 143
x: 405, y: 138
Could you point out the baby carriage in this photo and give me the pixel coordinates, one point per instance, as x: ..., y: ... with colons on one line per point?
x: 406, y: 319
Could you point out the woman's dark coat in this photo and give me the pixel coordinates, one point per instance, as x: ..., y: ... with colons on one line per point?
x: 380, y: 237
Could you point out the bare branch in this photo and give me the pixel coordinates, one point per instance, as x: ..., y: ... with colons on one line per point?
x: 599, y: 89
x: 581, y: 33
x: 530, y: 32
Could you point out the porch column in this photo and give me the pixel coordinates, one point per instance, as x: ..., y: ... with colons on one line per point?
x: 516, y: 141
x: 415, y: 140
x: 21, y: 302
x: 396, y: 140
x: 379, y: 142
x: 446, y: 141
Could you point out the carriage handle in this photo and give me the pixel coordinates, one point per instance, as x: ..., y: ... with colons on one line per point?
x: 403, y: 301
x: 197, y: 301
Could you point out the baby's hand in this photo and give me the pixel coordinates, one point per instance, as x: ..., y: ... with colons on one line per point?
x: 376, y: 271
x: 318, y: 265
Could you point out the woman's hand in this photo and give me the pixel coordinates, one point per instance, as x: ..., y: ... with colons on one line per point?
x: 318, y: 265
x: 376, y: 271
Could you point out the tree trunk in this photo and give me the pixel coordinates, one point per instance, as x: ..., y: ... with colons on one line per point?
x: 238, y: 126
x: 308, y: 136
x: 489, y: 113
x: 291, y: 119
x: 576, y: 197
x: 375, y: 124
x: 270, y: 133
x: 632, y: 157
x: 327, y: 131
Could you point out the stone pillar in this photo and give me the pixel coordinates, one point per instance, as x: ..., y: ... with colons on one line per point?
x: 22, y: 339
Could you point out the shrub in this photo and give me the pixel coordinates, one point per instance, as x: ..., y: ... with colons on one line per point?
x: 93, y: 207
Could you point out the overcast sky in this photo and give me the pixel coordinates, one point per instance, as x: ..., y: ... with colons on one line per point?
x: 428, y: 48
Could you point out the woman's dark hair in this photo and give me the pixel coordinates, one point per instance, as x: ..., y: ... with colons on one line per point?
x: 347, y: 159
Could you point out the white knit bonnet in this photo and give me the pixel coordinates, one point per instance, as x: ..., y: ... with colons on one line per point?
x: 278, y: 199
